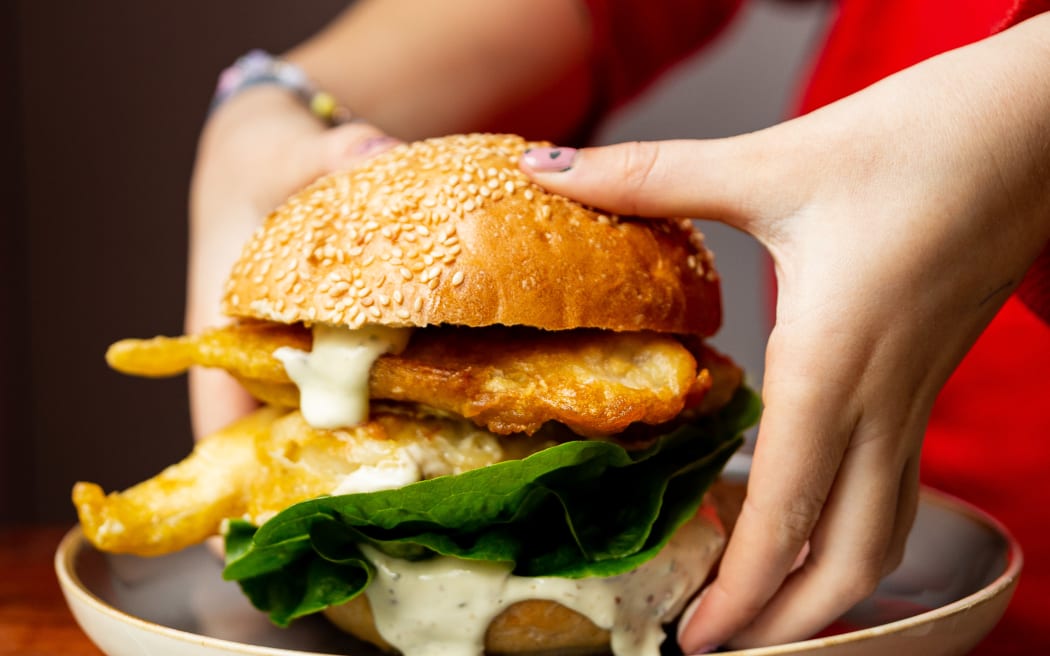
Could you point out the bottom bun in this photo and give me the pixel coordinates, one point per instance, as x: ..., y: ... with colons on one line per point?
x: 536, y: 627
x: 542, y: 627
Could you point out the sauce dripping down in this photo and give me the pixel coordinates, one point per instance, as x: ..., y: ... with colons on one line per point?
x: 333, y: 377
x: 443, y: 606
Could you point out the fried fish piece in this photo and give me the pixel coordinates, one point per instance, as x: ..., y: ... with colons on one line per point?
x: 273, y: 459
x: 186, y: 502
x: 514, y: 380
x: 244, y: 349
x: 503, y: 378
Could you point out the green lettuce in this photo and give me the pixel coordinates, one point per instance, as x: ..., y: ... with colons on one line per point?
x: 578, y: 509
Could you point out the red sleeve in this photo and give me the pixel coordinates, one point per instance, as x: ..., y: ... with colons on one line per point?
x: 637, y: 40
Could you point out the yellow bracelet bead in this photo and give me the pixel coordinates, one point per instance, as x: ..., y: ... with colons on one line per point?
x: 323, y: 105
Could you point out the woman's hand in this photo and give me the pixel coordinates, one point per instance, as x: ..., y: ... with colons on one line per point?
x: 256, y: 150
x: 460, y: 60
x: 899, y: 220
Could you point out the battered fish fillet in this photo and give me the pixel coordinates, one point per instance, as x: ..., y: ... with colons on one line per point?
x: 509, y: 380
x: 185, y: 503
x: 273, y: 459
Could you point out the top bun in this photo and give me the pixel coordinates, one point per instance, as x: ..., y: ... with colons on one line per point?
x: 450, y: 231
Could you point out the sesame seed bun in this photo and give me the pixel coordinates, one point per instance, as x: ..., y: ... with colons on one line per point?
x: 450, y: 231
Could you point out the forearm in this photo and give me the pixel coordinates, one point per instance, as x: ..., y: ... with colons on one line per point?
x: 419, y: 68
x: 1011, y: 103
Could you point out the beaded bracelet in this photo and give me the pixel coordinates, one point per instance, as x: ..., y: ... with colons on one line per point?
x: 259, y: 67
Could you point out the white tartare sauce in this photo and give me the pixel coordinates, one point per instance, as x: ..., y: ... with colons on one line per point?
x: 333, y: 377
x: 443, y: 606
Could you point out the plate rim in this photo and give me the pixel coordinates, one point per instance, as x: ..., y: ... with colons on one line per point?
x: 74, y: 542
x: 1002, y: 584
x: 71, y: 546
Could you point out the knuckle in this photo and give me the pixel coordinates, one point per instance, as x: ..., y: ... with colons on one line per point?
x: 639, y: 163
x: 894, y: 557
x: 860, y: 582
x: 857, y: 577
x: 798, y: 517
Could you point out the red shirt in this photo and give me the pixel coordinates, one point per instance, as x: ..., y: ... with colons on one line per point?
x: 989, y: 436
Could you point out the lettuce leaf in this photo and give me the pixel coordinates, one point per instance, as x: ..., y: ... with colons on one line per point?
x: 578, y: 509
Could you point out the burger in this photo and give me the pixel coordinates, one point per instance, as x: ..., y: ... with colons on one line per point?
x: 487, y: 422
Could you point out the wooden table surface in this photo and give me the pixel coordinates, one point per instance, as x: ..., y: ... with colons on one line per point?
x: 34, y: 618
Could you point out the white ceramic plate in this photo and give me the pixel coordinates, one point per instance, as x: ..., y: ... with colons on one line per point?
x: 959, y: 571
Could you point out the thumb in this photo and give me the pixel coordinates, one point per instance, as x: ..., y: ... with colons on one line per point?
x: 336, y: 149
x: 719, y: 179
x: 347, y: 146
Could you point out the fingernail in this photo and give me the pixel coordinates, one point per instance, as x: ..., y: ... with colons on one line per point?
x: 548, y: 160
x: 374, y: 145
x: 683, y: 622
x: 800, y: 559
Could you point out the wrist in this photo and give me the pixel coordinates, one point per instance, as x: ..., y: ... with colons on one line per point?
x: 259, y: 68
x: 261, y: 112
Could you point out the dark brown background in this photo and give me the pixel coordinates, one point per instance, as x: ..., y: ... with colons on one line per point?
x: 102, y: 104
x: 102, y: 125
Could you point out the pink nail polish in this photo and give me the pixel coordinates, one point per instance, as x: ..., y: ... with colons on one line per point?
x: 548, y: 160
x: 373, y: 145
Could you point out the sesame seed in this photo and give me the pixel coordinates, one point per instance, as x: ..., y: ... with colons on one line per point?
x: 457, y: 278
x: 339, y: 289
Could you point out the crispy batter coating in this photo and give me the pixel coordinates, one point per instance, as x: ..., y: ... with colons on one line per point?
x: 272, y: 459
x: 245, y: 349
x: 507, y: 379
x: 514, y: 379
x: 182, y: 505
